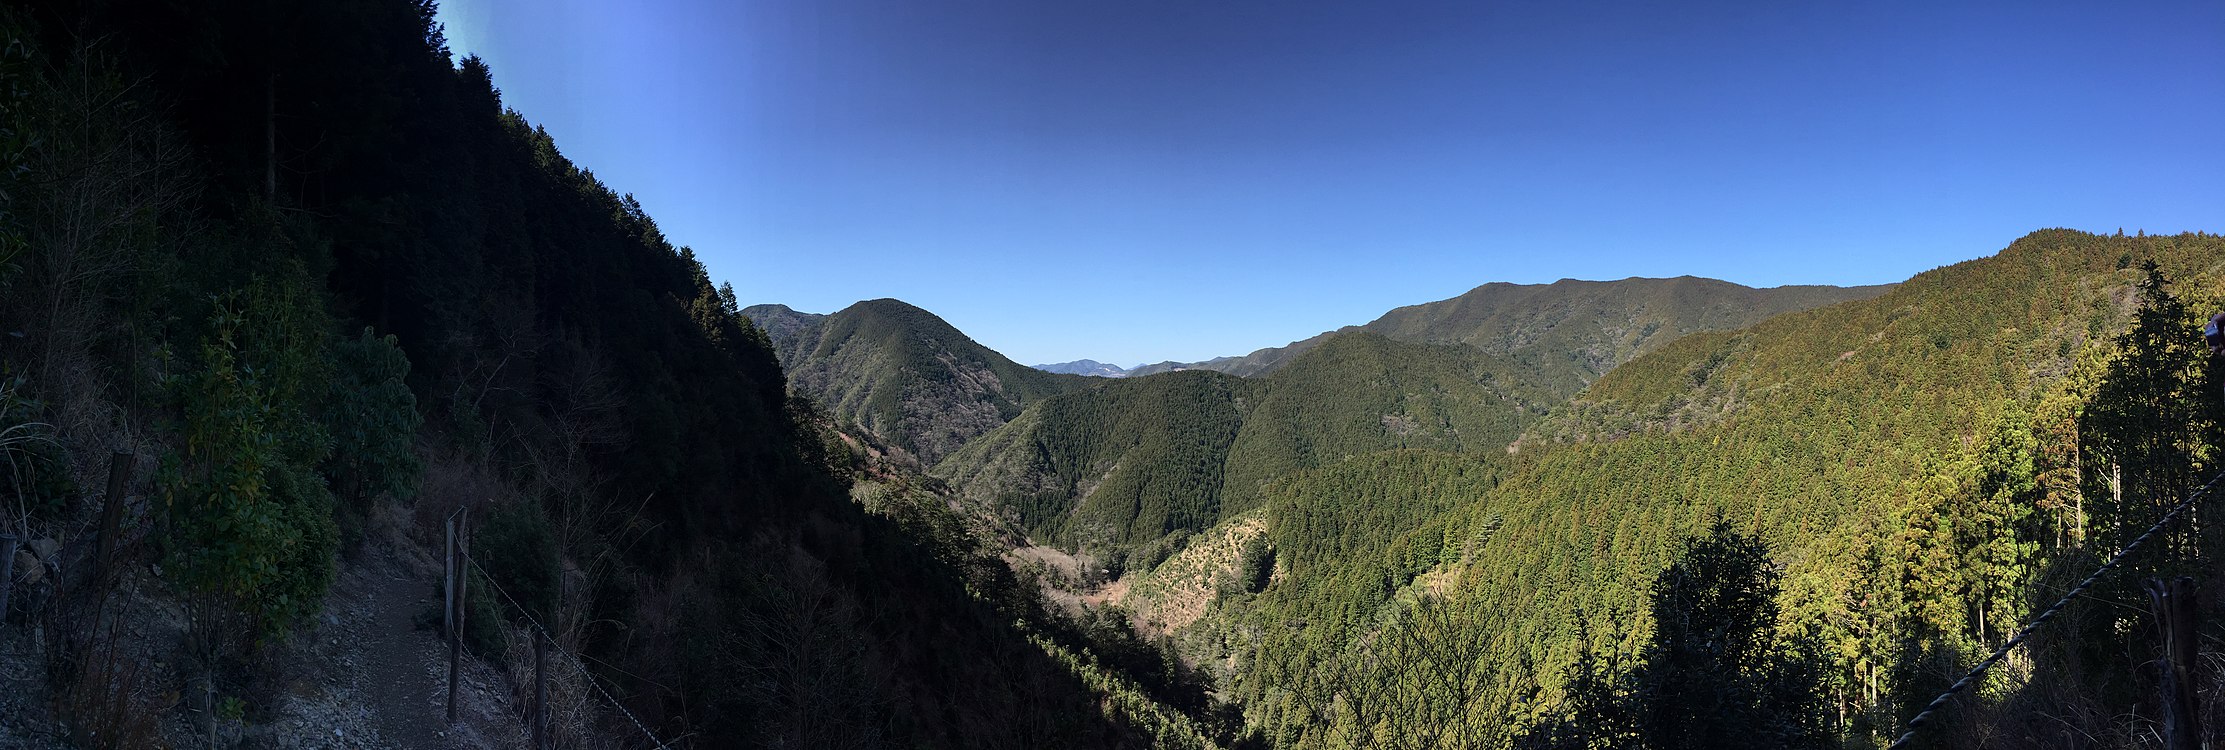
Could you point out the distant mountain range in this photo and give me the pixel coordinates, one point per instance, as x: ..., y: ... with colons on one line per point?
x: 1112, y: 468
x: 1090, y: 367
x: 1580, y: 329
x: 1520, y: 453
x: 924, y: 386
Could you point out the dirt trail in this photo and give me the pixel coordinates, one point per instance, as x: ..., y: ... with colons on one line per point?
x: 404, y: 670
x: 385, y: 678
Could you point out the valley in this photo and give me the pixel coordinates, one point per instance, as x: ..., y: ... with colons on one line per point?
x: 1526, y: 468
x: 341, y: 407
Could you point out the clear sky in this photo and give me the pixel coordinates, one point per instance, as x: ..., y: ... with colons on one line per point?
x: 1141, y: 180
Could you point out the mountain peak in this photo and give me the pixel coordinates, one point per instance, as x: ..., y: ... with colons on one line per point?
x: 903, y: 373
x: 1089, y: 367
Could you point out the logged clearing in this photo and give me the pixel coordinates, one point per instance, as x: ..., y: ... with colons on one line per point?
x: 1178, y: 592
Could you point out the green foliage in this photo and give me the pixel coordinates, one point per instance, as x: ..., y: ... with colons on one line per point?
x: 1912, y: 490
x: 2154, y: 419
x: 1124, y: 464
x: 373, y: 418
x: 1597, y: 710
x: 35, y: 466
x: 1105, y: 635
x: 1362, y: 393
x: 1128, y: 461
x: 1255, y: 564
x: 1717, y: 673
x: 1353, y: 534
x: 516, y: 546
x: 333, y: 168
x: 1413, y: 682
x: 904, y: 374
x: 484, y: 616
x: 2142, y: 425
x: 254, y: 521
x: 1564, y: 334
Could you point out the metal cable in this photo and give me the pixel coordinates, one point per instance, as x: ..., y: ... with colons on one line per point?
x: 576, y: 663
x: 1980, y: 670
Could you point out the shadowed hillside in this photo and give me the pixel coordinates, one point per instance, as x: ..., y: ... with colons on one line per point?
x: 314, y: 301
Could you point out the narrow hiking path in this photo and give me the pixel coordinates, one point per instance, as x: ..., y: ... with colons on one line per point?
x: 385, y: 677
x: 405, y: 668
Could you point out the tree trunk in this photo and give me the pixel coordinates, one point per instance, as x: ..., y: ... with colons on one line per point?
x: 2174, y: 605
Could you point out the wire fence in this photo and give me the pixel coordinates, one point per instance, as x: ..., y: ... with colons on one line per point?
x: 1922, y: 718
x: 575, y: 659
x: 1978, y: 672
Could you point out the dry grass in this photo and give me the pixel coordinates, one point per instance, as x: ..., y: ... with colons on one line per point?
x: 1179, y: 591
x: 109, y: 694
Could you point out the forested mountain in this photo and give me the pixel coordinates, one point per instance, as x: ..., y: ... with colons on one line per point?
x: 1085, y: 367
x: 1464, y: 374
x: 1567, y: 332
x: 1927, y: 466
x: 1137, y: 460
x: 903, y: 373
x: 297, y: 276
x: 327, y: 293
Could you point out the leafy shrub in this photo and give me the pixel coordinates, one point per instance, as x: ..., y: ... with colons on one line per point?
x: 253, y: 522
x: 35, y: 466
x: 483, y: 630
x: 373, y: 418
x: 518, y: 548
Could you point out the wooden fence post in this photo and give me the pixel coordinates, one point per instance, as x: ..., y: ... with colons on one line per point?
x: 7, y: 572
x: 448, y: 575
x: 112, y: 509
x: 540, y: 690
x: 2174, y: 614
x: 461, y: 567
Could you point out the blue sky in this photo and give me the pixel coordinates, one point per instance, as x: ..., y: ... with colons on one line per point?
x: 1141, y: 180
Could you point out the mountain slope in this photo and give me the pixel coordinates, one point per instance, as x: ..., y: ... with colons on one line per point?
x: 1140, y: 458
x: 1085, y: 367
x: 1460, y: 375
x: 395, y: 301
x: 1899, y: 453
x: 1130, y: 460
x: 903, y: 373
x: 1568, y: 331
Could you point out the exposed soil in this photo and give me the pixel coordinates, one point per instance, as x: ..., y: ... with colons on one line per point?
x: 373, y: 678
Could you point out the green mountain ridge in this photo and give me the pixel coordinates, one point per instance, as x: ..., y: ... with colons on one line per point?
x: 1137, y: 459
x: 1918, y: 461
x: 1464, y: 375
x: 1570, y: 330
x: 903, y: 373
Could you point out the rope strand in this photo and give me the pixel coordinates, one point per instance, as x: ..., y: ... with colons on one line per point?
x: 1979, y: 671
x: 575, y: 659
